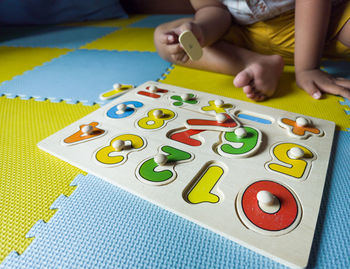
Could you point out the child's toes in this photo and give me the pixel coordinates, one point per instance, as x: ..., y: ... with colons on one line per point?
x: 243, y: 79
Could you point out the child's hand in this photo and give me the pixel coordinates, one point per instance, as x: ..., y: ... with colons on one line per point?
x: 171, y: 40
x: 315, y: 81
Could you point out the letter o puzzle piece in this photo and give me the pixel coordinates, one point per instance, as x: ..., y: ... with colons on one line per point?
x: 282, y: 221
x: 111, y: 156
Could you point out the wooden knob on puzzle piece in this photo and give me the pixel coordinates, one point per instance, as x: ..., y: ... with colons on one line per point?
x: 220, y: 117
x: 152, y: 89
x: 158, y: 113
x: 186, y: 96
x: 121, y: 107
x: 161, y: 159
x: 268, y: 202
x: 219, y: 103
x: 266, y: 198
x: 87, y: 129
x: 302, y: 122
x: 296, y: 153
x: 117, y: 86
x: 240, y: 132
x: 118, y: 145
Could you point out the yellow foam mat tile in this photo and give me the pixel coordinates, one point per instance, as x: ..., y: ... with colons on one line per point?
x: 16, y: 60
x: 288, y: 96
x: 130, y: 39
x: 30, y: 179
x: 109, y: 23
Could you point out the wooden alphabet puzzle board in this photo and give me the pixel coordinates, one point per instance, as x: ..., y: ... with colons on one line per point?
x: 251, y: 173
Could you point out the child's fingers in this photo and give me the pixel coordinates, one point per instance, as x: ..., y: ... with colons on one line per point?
x: 343, y: 82
x: 335, y: 89
x: 169, y: 38
x: 313, y: 90
x: 175, y: 49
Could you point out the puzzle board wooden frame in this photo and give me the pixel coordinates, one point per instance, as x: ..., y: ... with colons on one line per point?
x: 212, y: 175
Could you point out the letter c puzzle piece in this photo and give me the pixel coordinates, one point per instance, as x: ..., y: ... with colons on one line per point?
x: 111, y: 156
x: 116, y: 113
x: 282, y: 162
x: 86, y: 132
x: 152, y: 173
x: 284, y: 220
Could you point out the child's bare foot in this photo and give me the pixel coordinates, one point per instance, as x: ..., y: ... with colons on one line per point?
x: 260, y: 77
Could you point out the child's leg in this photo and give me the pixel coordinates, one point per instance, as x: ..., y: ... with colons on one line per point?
x: 256, y: 73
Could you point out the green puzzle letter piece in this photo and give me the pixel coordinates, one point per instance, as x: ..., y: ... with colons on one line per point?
x: 249, y: 142
x: 147, y: 168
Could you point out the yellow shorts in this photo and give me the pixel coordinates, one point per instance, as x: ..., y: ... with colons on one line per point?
x: 276, y: 35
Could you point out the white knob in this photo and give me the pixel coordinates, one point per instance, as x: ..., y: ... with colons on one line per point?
x: 219, y: 103
x: 185, y: 96
x: 121, y: 107
x: 117, y: 86
x: 153, y: 89
x: 161, y: 159
x: 296, y: 153
x: 158, y: 113
x: 87, y: 129
x: 266, y: 198
x: 220, y: 117
x: 302, y: 121
x: 240, y: 132
x: 118, y: 145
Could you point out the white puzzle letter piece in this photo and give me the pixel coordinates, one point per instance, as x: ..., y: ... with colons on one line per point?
x: 191, y: 45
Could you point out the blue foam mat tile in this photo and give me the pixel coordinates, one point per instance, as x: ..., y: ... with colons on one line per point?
x: 346, y: 102
x: 337, y: 68
x: 153, y: 21
x: 52, y: 36
x: 102, y: 226
x: 81, y: 75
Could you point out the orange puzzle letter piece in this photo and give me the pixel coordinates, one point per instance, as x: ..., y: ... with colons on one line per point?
x: 81, y: 136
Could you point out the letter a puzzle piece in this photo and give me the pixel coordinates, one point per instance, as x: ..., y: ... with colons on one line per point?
x: 85, y: 133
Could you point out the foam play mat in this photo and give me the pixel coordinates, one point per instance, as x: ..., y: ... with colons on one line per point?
x: 55, y: 215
